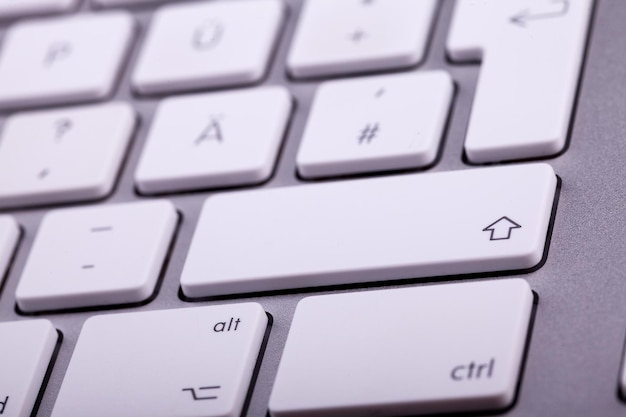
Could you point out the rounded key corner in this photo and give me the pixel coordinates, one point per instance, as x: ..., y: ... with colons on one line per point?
x: 304, y: 171
x: 534, y: 257
x: 123, y: 107
x: 282, y: 91
x: 88, y: 322
x: 444, y: 77
x: 461, y: 56
x: 166, y: 205
x: 46, y: 326
x: 413, y: 61
x: 10, y: 222
x: 522, y: 284
x: 95, y: 319
x: 54, y: 335
x: 294, y: 72
x: 547, y: 167
x: 189, y: 291
x: 310, y: 300
x: 251, y: 76
x: 258, y: 309
x: 504, y: 401
x: 23, y: 305
x: 143, y: 187
x: 143, y: 86
x: 99, y: 190
x: 138, y: 87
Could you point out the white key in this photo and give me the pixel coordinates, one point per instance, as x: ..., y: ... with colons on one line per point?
x: 200, y: 45
x: 418, y: 225
x: 9, y: 235
x: 214, y: 140
x: 375, y: 124
x: 17, y: 8
x: 532, y: 53
x: 25, y: 353
x: 436, y: 349
x: 63, y: 60
x: 97, y: 256
x: 194, y: 362
x: 346, y: 36
x: 63, y: 155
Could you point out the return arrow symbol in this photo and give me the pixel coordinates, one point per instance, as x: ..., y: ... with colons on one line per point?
x: 501, y: 228
x: 525, y: 16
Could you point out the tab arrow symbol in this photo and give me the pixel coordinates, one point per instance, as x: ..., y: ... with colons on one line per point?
x: 524, y: 16
x: 501, y: 228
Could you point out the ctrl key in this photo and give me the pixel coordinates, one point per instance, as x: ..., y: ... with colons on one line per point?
x: 423, y: 350
x: 26, y: 348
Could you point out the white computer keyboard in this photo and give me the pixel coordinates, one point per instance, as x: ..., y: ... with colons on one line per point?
x: 224, y: 208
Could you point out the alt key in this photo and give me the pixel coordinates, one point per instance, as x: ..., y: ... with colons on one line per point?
x: 191, y: 362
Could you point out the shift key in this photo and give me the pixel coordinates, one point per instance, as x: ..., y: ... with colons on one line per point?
x: 404, y: 226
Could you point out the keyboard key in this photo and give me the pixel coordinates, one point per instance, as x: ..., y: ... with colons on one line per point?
x: 97, y: 256
x: 410, y: 226
x: 195, y: 362
x: 198, y: 45
x: 9, y: 235
x: 532, y: 54
x: 63, y: 155
x: 436, y: 349
x: 214, y: 140
x: 375, y: 124
x: 18, y: 8
x: 63, y: 60
x: 349, y: 36
x: 25, y: 353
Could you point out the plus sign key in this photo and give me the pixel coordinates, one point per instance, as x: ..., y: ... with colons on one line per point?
x: 375, y: 124
x: 351, y: 36
x: 194, y: 362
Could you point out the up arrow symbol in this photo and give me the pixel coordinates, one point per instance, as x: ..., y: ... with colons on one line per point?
x: 501, y: 228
